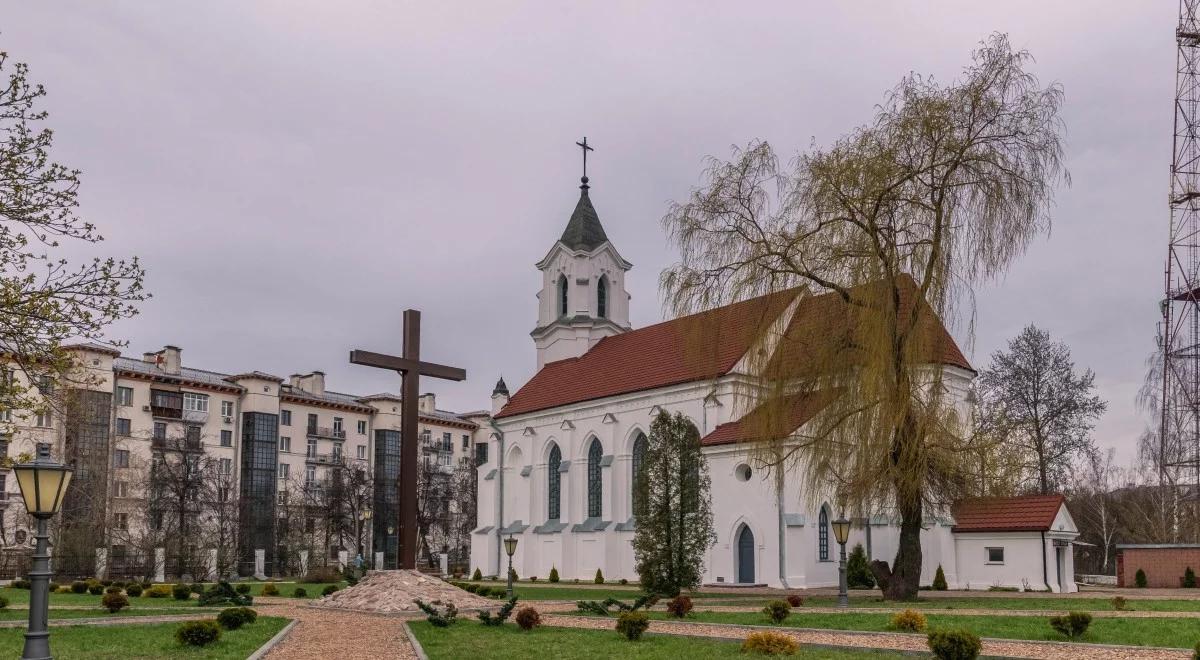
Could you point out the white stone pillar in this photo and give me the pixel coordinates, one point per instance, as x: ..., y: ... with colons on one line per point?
x: 303, y: 563
x: 379, y: 561
x: 101, y: 563
x: 160, y: 565
x: 212, y: 565
x: 343, y: 559
x: 260, y: 564
x: 445, y: 561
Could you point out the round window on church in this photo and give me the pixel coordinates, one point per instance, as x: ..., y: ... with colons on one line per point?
x: 742, y: 472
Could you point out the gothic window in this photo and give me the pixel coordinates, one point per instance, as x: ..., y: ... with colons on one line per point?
x: 562, y: 295
x: 595, y: 453
x: 554, y: 479
x: 639, y: 459
x: 823, y: 535
x: 602, y: 298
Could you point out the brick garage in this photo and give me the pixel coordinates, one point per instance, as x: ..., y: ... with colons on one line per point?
x: 1164, y: 564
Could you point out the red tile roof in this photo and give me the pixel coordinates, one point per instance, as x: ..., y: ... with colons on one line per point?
x: 1026, y: 513
x: 797, y: 409
x: 704, y: 346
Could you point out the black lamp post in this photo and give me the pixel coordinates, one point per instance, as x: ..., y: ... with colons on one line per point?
x: 42, y: 483
x: 841, y: 531
x: 510, y: 546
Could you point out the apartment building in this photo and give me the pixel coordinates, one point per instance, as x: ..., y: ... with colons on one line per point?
x: 202, y: 461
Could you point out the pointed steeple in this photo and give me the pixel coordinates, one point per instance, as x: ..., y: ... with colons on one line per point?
x: 584, y: 231
x: 500, y: 388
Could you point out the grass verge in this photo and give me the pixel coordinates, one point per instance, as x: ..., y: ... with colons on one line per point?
x: 143, y: 642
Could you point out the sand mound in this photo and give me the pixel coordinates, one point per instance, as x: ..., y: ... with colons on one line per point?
x: 390, y: 592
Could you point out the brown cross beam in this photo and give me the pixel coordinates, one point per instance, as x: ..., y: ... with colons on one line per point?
x: 411, y: 369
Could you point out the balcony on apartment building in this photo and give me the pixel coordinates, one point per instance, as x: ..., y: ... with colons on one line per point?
x: 326, y: 432
x: 176, y: 444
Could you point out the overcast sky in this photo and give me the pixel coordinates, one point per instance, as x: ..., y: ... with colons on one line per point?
x: 294, y: 175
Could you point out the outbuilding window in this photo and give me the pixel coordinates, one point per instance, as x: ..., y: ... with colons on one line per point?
x: 995, y: 555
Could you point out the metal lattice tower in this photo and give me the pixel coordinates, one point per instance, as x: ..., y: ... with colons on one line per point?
x: 1179, y: 439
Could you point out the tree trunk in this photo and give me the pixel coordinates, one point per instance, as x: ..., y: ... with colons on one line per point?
x: 902, y: 581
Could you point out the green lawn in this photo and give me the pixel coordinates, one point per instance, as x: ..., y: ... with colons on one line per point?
x: 142, y: 642
x: 1177, y: 633
x: 469, y: 639
x: 982, y: 603
x: 21, y: 596
x: 100, y: 613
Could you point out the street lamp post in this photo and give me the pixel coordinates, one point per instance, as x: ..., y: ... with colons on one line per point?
x: 510, y: 546
x: 841, y: 531
x: 42, y: 483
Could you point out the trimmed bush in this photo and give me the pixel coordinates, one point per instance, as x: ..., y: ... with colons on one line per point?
x: 95, y: 588
x: 233, y: 618
x: 512, y: 574
x: 477, y: 575
x: 770, y: 643
x: 1196, y: 651
x: 181, y: 592
x: 954, y: 644
x: 114, y: 589
x: 528, y: 618
x: 63, y: 590
x: 198, y: 633
x: 223, y: 593
x: 79, y: 587
x: 553, y: 574
x: 622, y: 582
x: 1189, y: 578
x: 858, y: 571
x: 134, y: 590
x: 300, y: 592
x: 3, y: 603
x: 939, y: 579
x: 777, y: 610
x: 1072, y: 624
x: 795, y: 600
x: 269, y: 589
x: 322, y: 574
x: 632, y: 625
x: 679, y: 606
x: 599, y: 579
x: 1119, y: 603
x: 1139, y: 579
x: 533, y: 578
x: 908, y: 621
x: 197, y: 588
x: 498, y: 619
x: 243, y: 588
x: 157, y: 591
x: 115, y: 601
x: 439, y: 618
x: 22, y: 584
x: 329, y: 589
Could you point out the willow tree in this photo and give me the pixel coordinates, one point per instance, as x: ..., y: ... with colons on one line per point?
x: 881, y: 235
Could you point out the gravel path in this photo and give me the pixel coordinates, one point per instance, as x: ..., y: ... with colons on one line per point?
x: 894, y: 641
x: 329, y: 633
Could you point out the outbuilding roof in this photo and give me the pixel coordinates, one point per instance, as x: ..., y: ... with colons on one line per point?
x: 1023, y: 513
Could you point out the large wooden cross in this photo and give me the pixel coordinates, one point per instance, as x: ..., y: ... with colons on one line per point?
x: 411, y: 369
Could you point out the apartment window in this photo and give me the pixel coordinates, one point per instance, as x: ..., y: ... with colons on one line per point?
x: 45, y: 385
x: 285, y: 443
x: 311, y: 451
x: 4, y: 442
x: 337, y: 451
x: 121, y: 521
x: 447, y: 442
x: 362, y: 452
x: 195, y: 402
x: 481, y: 455
x: 120, y: 489
x: 283, y: 521
x: 285, y: 417
x: 312, y: 422
x: 283, y: 471
x: 156, y: 520
x: 227, y: 409
x: 121, y: 458
x: 362, y: 427
x: 160, y: 430
x: 123, y: 426
x: 310, y: 525
x: 443, y: 459
x: 124, y: 396
x: 5, y: 415
x: 466, y: 442
x: 337, y: 424
x: 223, y: 494
x: 226, y: 466
x: 226, y: 438
x: 21, y: 536
x: 3, y: 491
x: 42, y: 421
x: 192, y: 433
x: 310, y: 475
x: 995, y: 555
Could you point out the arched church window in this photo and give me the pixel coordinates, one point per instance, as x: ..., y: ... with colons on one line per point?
x: 595, y: 453
x: 554, y: 483
x: 602, y: 298
x: 823, y: 535
x: 639, y: 459
x: 562, y: 295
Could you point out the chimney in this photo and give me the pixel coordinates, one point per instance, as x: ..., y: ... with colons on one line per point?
x: 294, y: 381
x: 313, y: 383
x: 170, y: 359
x: 427, y: 403
x: 499, y: 396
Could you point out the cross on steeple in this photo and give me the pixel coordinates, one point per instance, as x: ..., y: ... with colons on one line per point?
x: 584, y: 146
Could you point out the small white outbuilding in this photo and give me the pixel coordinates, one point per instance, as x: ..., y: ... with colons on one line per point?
x: 1015, y: 542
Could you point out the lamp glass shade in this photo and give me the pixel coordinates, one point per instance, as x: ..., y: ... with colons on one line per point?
x: 841, y: 530
x: 42, y: 486
x: 510, y: 545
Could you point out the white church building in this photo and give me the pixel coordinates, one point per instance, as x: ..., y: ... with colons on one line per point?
x: 564, y: 447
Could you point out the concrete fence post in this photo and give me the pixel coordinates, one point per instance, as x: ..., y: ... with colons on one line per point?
x: 101, y: 563
x: 160, y: 565
x: 260, y: 564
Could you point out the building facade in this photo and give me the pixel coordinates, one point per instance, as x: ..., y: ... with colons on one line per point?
x: 225, y: 473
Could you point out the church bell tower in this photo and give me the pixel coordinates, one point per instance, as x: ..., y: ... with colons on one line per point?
x: 583, y: 297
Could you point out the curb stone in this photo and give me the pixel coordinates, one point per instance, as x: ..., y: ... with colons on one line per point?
x: 271, y: 643
x: 412, y: 641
